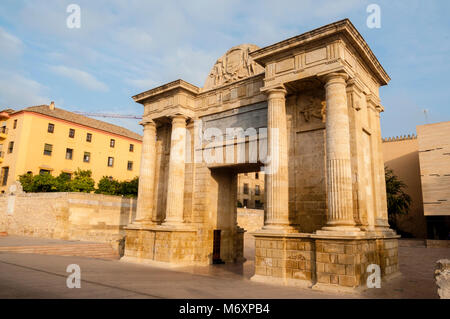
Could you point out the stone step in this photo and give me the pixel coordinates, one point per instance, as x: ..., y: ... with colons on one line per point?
x: 103, y: 251
x: 411, y: 242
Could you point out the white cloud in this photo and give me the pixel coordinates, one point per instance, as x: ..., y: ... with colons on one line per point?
x: 17, y: 91
x: 144, y: 83
x: 10, y: 45
x: 80, y: 77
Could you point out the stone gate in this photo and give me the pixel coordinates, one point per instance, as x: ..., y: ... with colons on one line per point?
x: 305, y: 110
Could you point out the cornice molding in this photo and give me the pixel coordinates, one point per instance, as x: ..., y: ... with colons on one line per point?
x: 168, y: 87
x: 345, y: 27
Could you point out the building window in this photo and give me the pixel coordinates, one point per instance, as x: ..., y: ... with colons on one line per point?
x: 15, y: 124
x: 110, y: 161
x: 48, y: 148
x: 256, y: 175
x: 51, y: 128
x: 245, y: 202
x: 5, y: 173
x: 112, y: 143
x: 257, y: 190
x: 89, y: 137
x: 245, y: 188
x: 87, y: 157
x: 245, y: 174
x: 10, y: 147
x: 44, y: 171
x: 130, y: 166
x: 3, y: 129
x: 69, y: 153
x: 71, y: 133
x: 131, y: 147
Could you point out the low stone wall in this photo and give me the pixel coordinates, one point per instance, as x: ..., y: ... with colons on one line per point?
x: 69, y: 216
x: 250, y: 219
x: 438, y: 243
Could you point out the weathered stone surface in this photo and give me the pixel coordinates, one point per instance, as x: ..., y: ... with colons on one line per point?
x: 442, y: 277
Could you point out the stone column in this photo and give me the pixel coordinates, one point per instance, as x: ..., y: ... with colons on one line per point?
x: 145, y: 202
x: 381, y: 220
x: 338, y: 157
x: 276, y: 170
x: 175, y: 187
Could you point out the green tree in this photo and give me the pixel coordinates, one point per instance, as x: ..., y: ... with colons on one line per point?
x: 43, y: 183
x: 82, y: 182
x: 27, y: 182
x: 108, y: 186
x: 129, y: 189
x: 63, y: 182
x: 397, y: 200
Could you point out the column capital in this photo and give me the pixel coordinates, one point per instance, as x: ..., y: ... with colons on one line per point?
x: 147, y: 123
x: 178, y: 118
x: 275, y: 91
x: 335, y: 77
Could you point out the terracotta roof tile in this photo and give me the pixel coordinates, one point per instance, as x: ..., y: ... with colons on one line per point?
x: 83, y: 120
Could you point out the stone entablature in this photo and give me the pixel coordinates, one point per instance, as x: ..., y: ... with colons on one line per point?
x: 319, y: 104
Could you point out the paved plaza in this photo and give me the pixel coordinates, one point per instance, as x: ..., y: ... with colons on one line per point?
x: 44, y: 276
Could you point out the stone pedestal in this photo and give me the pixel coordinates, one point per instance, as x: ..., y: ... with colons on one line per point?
x: 322, y: 262
x: 160, y: 244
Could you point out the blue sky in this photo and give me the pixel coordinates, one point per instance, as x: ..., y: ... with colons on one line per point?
x: 126, y: 47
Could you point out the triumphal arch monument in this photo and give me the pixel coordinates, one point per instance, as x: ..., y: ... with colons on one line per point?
x: 305, y: 110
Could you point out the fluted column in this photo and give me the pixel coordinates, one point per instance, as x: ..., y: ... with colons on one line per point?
x: 145, y: 202
x: 276, y: 171
x: 338, y: 157
x: 175, y: 187
x: 381, y: 221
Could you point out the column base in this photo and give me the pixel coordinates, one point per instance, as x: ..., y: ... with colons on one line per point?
x: 339, y: 231
x: 278, y: 229
x: 142, y: 223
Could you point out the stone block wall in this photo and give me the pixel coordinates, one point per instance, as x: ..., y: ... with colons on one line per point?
x: 250, y: 219
x: 156, y: 244
x: 344, y: 263
x: 286, y: 258
x: 303, y: 260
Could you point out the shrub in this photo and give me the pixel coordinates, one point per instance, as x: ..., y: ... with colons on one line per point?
x: 107, y: 186
x: 43, y: 183
x: 82, y: 182
x: 111, y: 186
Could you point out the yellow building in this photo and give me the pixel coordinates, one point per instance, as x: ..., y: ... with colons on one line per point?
x: 251, y: 190
x: 43, y: 138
